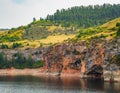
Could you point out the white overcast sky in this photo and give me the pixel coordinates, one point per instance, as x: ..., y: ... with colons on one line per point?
x: 14, y: 13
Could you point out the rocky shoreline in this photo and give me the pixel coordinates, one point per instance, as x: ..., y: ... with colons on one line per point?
x: 39, y: 72
x: 34, y: 72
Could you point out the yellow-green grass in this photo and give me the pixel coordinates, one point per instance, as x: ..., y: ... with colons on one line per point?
x: 47, y: 41
x: 106, y: 33
x: 3, y: 33
x: 56, y: 39
x: 53, y: 28
x: 111, y: 23
x: 18, y: 33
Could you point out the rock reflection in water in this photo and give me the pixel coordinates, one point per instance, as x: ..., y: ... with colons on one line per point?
x: 72, y: 83
x: 29, y: 84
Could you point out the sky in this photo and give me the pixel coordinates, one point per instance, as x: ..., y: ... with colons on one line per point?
x: 14, y: 13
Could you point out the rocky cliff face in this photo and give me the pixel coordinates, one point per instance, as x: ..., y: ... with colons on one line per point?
x: 96, y: 58
x: 81, y: 58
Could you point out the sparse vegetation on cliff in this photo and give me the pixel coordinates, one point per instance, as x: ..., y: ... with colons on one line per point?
x: 118, y: 29
x: 19, y: 61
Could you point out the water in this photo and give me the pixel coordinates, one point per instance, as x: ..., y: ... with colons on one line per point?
x: 29, y: 84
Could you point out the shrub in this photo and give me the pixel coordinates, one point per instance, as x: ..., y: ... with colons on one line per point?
x: 4, y: 63
x: 116, y: 59
x: 76, y: 52
x: 38, y: 64
x: 16, y: 45
x: 4, y: 46
x: 118, y: 31
x: 117, y: 24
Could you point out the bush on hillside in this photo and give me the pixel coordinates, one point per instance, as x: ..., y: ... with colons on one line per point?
x: 118, y: 31
x: 16, y: 45
x: 117, y: 24
x: 4, y: 46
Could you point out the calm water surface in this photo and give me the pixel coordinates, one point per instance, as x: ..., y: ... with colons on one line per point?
x: 28, y: 84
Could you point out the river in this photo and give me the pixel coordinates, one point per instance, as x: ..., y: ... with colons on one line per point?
x: 29, y: 84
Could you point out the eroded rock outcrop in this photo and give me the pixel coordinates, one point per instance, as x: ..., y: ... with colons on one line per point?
x: 81, y: 59
x: 73, y: 58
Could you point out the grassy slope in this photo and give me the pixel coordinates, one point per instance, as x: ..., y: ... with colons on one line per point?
x: 56, y: 39
x: 106, y: 31
x: 57, y: 35
x: 2, y: 32
x: 46, y: 42
x: 111, y: 24
x: 111, y: 28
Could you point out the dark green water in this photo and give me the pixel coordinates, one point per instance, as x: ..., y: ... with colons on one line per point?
x: 28, y: 84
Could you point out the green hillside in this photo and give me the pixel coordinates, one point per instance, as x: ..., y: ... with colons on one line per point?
x: 56, y: 28
x: 43, y: 28
x: 111, y: 24
x: 86, y: 16
x: 107, y: 31
x: 36, y: 34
